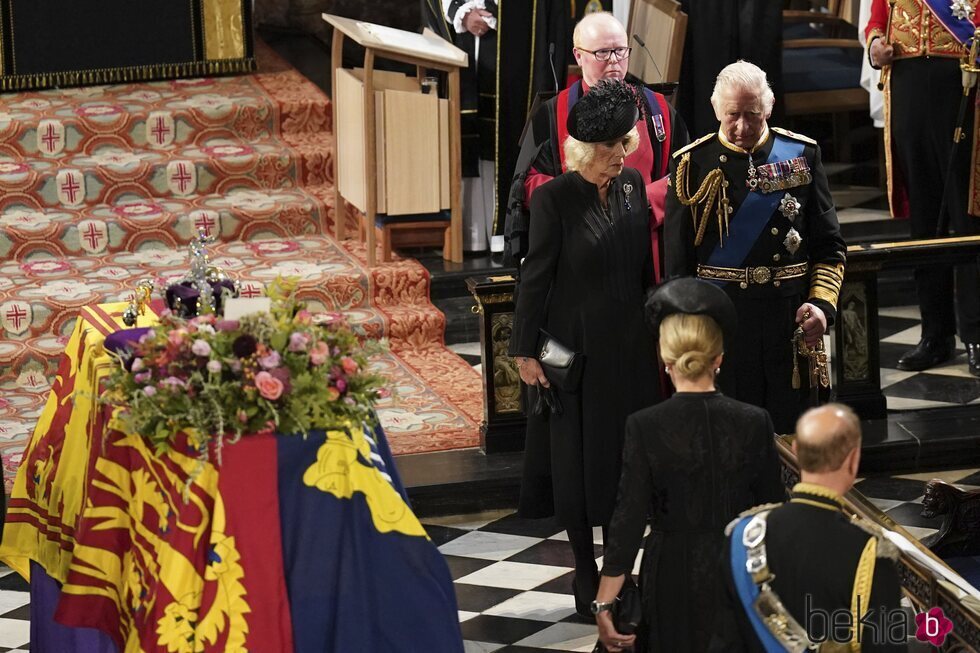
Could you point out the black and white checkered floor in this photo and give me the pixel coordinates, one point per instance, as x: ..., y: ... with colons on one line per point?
x: 513, y: 576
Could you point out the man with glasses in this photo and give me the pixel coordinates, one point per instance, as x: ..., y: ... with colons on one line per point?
x: 601, y: 48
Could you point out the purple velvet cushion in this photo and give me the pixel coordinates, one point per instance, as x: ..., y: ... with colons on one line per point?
x: 188, y: 295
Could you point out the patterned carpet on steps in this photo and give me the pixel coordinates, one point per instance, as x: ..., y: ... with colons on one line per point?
x: 103, y: 186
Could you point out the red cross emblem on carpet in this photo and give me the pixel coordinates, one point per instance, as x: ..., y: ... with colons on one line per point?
x: 251, y: 289
x: 160, y: 129
x: 51, y: 137
x: 206, y: 221
x: 181, y: 177
x: 93, y: 235
x: 71, y: 187
x: 16, y: 317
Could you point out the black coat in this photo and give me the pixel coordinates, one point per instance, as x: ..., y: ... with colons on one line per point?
x: 692, y: 463
x: 584, y: 281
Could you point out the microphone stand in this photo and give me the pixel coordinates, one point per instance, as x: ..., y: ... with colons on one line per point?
x: 969, y: 68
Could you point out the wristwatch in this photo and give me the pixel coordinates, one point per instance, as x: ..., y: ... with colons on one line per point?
x: 602, y: 606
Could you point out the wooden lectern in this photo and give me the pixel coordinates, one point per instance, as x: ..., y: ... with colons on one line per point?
x: 391, y: 153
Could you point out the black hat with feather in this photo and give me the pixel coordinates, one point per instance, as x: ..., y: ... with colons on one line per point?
x: 607, y: 112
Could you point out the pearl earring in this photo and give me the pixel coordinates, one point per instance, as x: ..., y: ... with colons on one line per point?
x: 717, y: 371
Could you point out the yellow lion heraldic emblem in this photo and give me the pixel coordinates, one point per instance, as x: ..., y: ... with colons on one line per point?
x: 338, y: 472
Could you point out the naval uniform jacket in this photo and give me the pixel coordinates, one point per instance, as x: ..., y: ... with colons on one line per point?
x: 815, y: 554
x: 758, y: 365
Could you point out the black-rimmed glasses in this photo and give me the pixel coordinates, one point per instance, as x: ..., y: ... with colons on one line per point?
x: 616, y: 54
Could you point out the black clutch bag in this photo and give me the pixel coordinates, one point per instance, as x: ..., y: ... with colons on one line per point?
x: 626, y: 613
x: 561, y: 365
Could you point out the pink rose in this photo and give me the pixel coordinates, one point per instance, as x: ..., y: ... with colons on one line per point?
x: 137, y: 365
x: 149, y: 391
x: 342, y: 385
x: 298, y: 341
x: 176, y: 336
x: 269, y: 386
x: 319, y: 353
x: 349, y: 364
x: 201, y: 348
x: 270, y: 360
x: 142, y: 377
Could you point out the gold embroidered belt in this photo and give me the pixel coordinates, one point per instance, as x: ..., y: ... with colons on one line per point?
x: 760, y: 275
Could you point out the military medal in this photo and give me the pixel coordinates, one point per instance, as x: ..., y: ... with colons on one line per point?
x: 792, y: 241
x: 750, y: 179
x: 658, y: 126
x: 627, y: 189
x: 783, y: 174
x: 789, y: 207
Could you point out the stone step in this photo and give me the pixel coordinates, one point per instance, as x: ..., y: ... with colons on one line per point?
x: 60, y: 123
x: 112, y: 175
x: 140, y: 224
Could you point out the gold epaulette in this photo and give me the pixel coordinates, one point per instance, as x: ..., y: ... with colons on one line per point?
x: 825, y: 282
x: 691, y: 146
x: 885, y: 547
x: 788, y: 134
x: 754, y: 510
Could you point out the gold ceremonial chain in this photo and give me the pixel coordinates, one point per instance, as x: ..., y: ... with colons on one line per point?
x: 816, y: 356
x: 707, y: 192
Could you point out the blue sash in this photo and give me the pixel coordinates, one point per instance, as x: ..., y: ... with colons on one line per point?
x: 747, y: 590
x: 752, y: 217
x: 962, y: 29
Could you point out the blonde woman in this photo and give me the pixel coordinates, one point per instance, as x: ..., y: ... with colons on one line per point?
x: 692, y: 463
x: 583, y: 284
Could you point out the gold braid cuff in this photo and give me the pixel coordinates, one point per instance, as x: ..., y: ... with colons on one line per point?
x: 861, y: 593
x: 707, y: 194
x: 826, y: 281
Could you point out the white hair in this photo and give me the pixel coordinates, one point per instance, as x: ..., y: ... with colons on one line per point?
x: 579, y: 154
x: 745, y: 76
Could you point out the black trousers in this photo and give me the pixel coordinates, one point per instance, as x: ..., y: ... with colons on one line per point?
x: 758, y: 363
x: 925, y: 98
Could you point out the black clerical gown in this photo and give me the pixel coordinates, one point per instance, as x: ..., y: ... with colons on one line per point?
x: 584, y: 282
x: 692, y: 463
x: 720, y: 33
x: 813, y: 551
x: 758, y: 365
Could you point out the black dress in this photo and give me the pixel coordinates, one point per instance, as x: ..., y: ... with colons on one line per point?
x: 584, y: 282
x: 692, y: 463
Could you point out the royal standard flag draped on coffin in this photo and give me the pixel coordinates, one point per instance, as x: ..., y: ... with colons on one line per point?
x: 291, y: 544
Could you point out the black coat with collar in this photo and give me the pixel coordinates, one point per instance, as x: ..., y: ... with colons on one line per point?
x: 584, y: 281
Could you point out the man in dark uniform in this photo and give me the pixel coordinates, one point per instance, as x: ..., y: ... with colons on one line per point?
x: 602, y: 50
x: 751, y: 211
x: 923, y: 90
x: 790, y: 597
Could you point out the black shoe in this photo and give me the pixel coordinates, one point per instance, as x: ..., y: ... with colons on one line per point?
x: 973, y: 357
x: 928, y: 353
x: 585, y: 586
